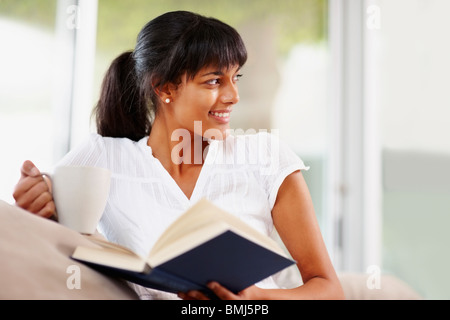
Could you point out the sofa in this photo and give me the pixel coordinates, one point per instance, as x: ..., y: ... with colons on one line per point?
x: 35, y: 264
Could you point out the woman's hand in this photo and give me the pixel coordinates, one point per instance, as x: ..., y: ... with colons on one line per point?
x: 251, y: 293
x: 33, y: 191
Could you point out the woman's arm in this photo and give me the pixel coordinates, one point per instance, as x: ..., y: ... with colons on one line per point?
x: 294, y: 218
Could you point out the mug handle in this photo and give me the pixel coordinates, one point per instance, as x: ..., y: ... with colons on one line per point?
x: 47, y: 177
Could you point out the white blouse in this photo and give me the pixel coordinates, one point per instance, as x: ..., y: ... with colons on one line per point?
x: 241, y: 174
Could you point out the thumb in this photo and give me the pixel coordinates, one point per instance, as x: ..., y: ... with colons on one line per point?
x: 29, y: 169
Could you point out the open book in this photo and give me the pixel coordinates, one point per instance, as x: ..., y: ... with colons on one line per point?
x: 202, y: 245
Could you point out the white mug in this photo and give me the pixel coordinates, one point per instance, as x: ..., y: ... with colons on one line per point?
x: 80, y: 195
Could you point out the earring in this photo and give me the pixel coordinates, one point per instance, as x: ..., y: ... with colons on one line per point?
x: 167, y: 100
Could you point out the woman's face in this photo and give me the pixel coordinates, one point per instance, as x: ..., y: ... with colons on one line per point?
x: 203, y: 105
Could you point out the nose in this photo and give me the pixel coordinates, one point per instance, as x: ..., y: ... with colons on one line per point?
x: 230, y: 94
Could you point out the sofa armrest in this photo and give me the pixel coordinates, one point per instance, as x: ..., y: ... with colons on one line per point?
x: 35, y: 262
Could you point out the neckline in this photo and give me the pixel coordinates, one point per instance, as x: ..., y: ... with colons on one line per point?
x: 201, y: 179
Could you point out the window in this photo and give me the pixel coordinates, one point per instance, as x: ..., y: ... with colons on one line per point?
x: 414, y: 131
x: 26, y: 87
x: 390, y: 72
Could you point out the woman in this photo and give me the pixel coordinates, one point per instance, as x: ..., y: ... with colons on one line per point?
x: 163, y: 130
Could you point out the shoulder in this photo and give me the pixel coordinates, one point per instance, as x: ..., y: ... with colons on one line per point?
x: 115, y: 146
x: 100, y: 143
x: 96, y: 150
x: 251, y: 142
x: 263, y: 147
x: 119, y: 142
x: 253, y: 136
x: 242, y: 148
x: 259, y: 146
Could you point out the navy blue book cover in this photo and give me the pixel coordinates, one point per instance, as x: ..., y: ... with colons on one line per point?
x: 229, y: 259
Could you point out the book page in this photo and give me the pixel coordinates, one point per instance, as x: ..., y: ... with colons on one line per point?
x: 107, y: 244
x: 110, y: 257
x: 195, y: 217
x: 205, y: 213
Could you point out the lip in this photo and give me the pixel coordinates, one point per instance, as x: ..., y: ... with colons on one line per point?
x: 219, y: 118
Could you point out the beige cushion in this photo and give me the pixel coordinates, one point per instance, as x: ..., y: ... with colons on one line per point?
x: 35, y: 261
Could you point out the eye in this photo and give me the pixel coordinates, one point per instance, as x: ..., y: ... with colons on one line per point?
x: 237, y: 77
x: 213, y: 82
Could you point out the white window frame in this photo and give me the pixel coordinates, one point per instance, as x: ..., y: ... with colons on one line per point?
x: 76, y: 30
x: 354, y: 156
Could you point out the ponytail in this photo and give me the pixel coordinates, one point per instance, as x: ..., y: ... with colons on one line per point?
x: 122, y: 111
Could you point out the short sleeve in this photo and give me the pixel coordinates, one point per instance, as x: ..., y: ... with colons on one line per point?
x: 279, y: 161
x: 91, y: 152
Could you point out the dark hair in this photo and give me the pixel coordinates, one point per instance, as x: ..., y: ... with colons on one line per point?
x: 169, y: 46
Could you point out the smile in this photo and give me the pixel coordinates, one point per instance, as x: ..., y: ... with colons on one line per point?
x: 220, y: 114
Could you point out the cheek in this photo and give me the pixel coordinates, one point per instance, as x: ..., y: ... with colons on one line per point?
x: 206, y: 98
x: 195, y: 106
x: 200, y: 104
x: 201, y: 100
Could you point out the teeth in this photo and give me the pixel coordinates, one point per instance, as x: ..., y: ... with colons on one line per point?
x: 221, y: 115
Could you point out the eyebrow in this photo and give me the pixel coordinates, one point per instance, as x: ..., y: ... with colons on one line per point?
x: 217, y: 73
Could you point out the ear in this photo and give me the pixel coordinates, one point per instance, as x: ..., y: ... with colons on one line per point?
x: 166, y: 92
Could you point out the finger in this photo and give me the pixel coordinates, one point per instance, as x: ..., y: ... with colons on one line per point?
x: 23, y: 186
x: 28, y: 191
x: 48, y: 211
x: 195, y: 295
x: 29, y: 169
x: 28, y: 182
x: 185, y: 296
x: 222, y: 292
x: 40, y: 202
